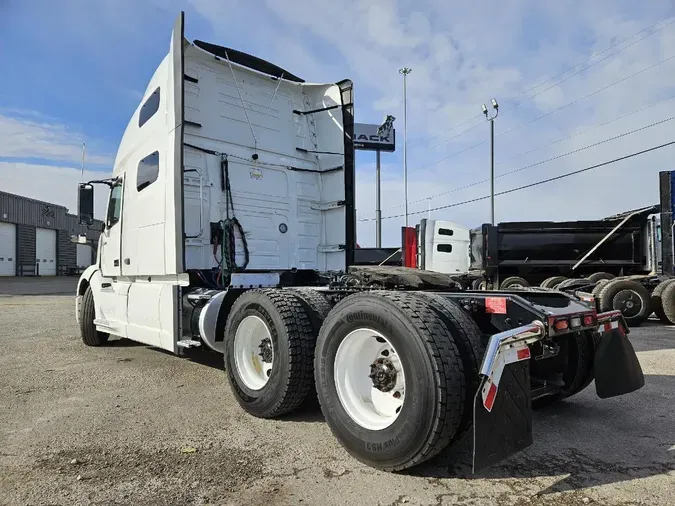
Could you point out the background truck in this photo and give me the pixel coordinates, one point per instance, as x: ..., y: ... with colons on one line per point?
x: 619, y: 259
x: 231, y: 227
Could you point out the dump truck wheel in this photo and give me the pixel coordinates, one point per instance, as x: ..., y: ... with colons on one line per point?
x: 470, y: 344
x: 269, y: 346
x: 389, y: 378
x: 552, y: 281
x: 513, y: 281
x: 597, y: 276
x: 668, y: 303
x: 657, y: 301
x: 629, y: 297
x: 578, y: 371
x: 90, y: 336
x: 572, y: 283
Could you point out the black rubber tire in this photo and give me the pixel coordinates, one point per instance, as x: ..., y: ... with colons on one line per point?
x: 668, y: 303
x: 626, y: 288
x: 657, y: 301
x: 598, y: 287
x: 578, y: 373
x: 90, y: 336
x: 471, y: 346
x: 317, y: 308
x: 513, y: 281
x: 569, y: 283
x: 435, y: 379
x: 597, y: 276
x: 315, y: 304
x: 552, y: 281
x: 293, y: 342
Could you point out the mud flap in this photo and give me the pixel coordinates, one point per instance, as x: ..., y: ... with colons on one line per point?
x: 502, y: 426
x: 617, y: 368
x: 502, y: 407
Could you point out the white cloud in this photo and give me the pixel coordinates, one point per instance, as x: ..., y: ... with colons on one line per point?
x: 26, y: 134
x: 461, y: 57
x: 56, y: 185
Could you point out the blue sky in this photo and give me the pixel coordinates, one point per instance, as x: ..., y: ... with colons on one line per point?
x: 78, y: 70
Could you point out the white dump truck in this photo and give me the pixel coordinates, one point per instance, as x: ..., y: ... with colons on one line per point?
x: 230, y: 229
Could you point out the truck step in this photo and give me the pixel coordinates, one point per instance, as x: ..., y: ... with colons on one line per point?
x: 188, y: 343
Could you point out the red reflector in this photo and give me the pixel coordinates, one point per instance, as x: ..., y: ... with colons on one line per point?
x: 588, y: 320
x: 523, y: 354
x: 495, y: 305
x: 490, y: 399
x: 561, y: 325
x: 409, y: 247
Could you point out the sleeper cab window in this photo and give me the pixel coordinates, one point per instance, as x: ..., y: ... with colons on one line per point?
x: 148, y: 171
x: 149, y: 108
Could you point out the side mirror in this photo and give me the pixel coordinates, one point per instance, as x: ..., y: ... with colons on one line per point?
x: 85, y: 204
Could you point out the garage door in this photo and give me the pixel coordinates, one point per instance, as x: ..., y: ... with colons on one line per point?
x: 7, y: 249
x: 45, y: 251
x: 83, y: 255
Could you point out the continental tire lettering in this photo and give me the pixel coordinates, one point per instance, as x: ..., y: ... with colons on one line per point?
x: 352, y: 317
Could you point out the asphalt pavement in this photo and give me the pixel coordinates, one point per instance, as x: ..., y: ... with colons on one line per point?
x: 128, y: 424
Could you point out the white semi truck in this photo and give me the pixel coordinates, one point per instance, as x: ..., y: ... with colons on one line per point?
x: 231, y: 227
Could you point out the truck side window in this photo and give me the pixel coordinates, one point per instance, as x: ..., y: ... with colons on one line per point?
x: 149, y: 108
x: 114, y: 205
x: 148, y: 171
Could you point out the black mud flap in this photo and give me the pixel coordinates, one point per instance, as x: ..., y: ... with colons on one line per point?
x: 617, y: 368
x: 507, y: 427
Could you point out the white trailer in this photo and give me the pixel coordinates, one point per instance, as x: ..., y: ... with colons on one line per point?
x: 231, y: 228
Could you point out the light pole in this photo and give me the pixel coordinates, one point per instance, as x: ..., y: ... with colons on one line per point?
x: 495, y: 106
x: 383, y: 130
x: 405, y: 71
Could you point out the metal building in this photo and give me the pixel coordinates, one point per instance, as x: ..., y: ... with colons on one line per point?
x: 35, y: 238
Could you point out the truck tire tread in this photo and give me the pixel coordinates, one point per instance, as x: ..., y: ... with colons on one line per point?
x: 317, y: 308
x: 447, y: 379
x: 609, y: 291
x: 552, y: 281
x: 471, y: 346
x: 284, y: 396
x: 90, y: 336
x: 657, y: 301
x: 597, y: 276
x: 668, y: 303
x: 513, y: 280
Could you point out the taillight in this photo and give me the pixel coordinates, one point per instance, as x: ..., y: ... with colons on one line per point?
x: 561, y: 324
x: 575, y: 322
x: 589, y: 320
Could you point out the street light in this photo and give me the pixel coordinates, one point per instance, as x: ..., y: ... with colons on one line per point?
x: 405, y: 71
x: 384, y: 130
x: 495, y: 106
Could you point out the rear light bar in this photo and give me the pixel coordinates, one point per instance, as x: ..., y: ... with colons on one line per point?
x: 572, y: 322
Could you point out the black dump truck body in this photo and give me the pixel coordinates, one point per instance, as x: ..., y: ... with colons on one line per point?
x: 538, y: 250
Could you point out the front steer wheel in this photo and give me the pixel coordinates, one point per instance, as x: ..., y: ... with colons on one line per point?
x: 269, y: 346
x: 389, y: 378
x: 90, y: 336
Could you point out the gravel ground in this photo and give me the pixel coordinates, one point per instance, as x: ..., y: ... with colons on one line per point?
x: 127, y: 424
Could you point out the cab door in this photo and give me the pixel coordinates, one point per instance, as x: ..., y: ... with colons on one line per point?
x: 111, y: 238
x: 111, y: 301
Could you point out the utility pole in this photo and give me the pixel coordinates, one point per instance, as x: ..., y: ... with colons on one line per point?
x: 495, y: 106
x: 405, y: 71
x: 385, y: 129
x: 378, y: 207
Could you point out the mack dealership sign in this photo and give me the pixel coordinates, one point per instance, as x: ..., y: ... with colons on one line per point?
x: 366, y: 138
